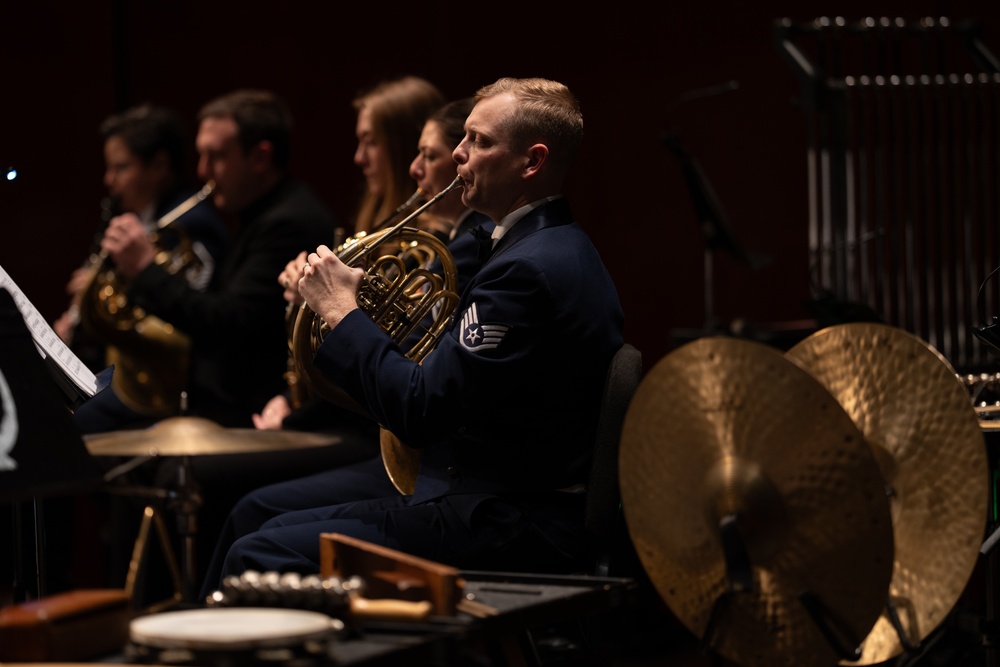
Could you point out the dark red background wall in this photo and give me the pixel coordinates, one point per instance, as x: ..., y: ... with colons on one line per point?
x: 67, y: 65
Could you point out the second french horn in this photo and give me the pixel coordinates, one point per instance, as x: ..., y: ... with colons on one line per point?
x: 150, y: 356
x: 408, y: 301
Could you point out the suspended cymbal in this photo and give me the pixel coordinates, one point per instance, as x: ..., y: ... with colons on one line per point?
x: 723, y: 427
x: 194, y: 436
x: 918, y: 418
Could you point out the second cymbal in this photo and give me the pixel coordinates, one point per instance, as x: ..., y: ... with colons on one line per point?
x: 917, y: 417
x: 194, y: 436
x: 725, y: 428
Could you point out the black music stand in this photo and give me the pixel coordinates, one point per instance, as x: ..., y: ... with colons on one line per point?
x: 713, y: 222
x: 41, y: 451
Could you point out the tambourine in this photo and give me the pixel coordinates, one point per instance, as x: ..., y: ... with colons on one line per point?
x: 336, y: 596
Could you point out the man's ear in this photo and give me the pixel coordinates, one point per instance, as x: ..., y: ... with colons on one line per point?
x: 262, y: 155
x: 536, y: 156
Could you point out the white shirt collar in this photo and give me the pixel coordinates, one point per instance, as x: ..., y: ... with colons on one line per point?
x: 511, y: 218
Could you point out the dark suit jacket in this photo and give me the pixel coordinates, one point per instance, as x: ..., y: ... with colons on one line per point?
x: 237, y: 326
x: 201, y: 224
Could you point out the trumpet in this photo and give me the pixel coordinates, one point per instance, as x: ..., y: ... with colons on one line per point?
x: 398, y: 297
x: 150, y: 356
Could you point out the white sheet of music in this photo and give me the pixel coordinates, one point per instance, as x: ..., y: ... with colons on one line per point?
x: 49, y: 344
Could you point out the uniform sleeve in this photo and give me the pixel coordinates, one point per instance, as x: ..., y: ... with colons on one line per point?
x: 490, y: 350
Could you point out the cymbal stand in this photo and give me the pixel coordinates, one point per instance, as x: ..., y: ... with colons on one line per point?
x: 739, y: 574
x: 186, y: 501
x: 827, y: 625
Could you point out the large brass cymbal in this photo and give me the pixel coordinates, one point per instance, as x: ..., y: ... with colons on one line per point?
x: 723, y: 427
x: 195, y: 436
x: 918, y: 418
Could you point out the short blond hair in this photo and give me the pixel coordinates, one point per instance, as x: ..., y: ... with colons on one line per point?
x: 546, y: 112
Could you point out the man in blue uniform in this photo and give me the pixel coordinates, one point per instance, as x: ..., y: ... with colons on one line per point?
x: 504, y: 410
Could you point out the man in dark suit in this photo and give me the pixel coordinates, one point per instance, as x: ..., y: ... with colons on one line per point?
x: 145, y: 149
x: 505, y: 408
x: 238, y: 337
x: 236, y: 325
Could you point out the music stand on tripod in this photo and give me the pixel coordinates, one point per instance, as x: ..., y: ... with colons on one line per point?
x: 714, y: 225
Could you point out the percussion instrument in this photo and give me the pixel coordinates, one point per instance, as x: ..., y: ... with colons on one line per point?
x: 336, y: 596
x: 917, y: 418
x: 195, y: 436
x: 185, y: 437
x: 755, y: 505
x: 231, y: 636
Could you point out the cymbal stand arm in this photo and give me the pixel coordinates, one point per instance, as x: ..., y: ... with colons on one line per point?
x: 897, y: 625
x: 126, y: 467
x: 824, y: 621
x: 187, y: 502
x: 739, y: 573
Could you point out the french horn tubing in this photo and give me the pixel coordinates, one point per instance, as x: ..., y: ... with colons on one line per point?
x: 398, y: 293
x: 298, y: 390
x: 150, y: 356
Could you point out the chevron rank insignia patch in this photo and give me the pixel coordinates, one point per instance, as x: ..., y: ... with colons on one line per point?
x: 479, y: 336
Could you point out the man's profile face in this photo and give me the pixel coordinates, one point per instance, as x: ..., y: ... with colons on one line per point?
x: 221, y: 158
x: 489, y: 167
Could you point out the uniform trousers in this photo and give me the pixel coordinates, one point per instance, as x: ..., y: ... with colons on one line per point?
x: 275, y: 528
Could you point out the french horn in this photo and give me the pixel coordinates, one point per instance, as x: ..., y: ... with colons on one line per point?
x: 298, y: 389
x: 410, y: 303
x: 151, y: 357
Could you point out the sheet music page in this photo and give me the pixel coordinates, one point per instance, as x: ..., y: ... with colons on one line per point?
x: 49, y: 344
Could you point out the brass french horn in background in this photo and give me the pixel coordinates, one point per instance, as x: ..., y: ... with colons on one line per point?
x: 398, y: 293
x: 151, y: 357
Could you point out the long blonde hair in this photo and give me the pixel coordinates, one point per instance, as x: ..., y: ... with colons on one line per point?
x: 398, y: 109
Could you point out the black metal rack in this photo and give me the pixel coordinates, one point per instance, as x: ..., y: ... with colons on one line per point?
x: 903, y: 163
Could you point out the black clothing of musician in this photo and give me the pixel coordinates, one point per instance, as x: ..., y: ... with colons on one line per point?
x: 209, y: 238
x: 236, y: 325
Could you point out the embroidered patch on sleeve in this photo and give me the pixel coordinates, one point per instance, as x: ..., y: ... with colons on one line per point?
x: 479, y: 336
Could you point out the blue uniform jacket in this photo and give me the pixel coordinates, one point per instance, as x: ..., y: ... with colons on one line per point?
x: 507, y: 404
